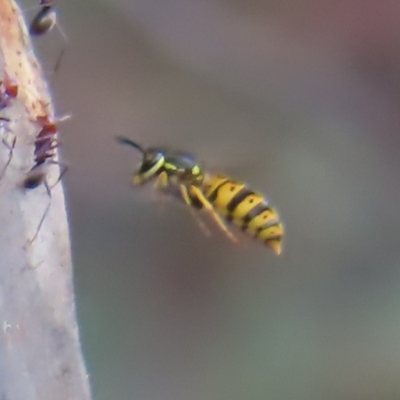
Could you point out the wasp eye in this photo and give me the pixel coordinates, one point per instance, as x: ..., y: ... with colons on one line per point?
x: 152, y: 161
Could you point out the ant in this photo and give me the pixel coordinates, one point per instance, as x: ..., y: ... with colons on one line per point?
x: 46, y: 144
x: 44, y: 21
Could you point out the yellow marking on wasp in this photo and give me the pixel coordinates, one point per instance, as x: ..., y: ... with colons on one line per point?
x: 211, y: 184
x: 170, y: 166
x: 225, y: 193
x: 152, y: 171
x: 196, y: 170
x: 271, y: 232
x: 246, y: 206
x: 266, y: 217
x: 161, y: 181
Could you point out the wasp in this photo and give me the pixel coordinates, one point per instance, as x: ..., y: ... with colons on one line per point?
x: 224, y: 199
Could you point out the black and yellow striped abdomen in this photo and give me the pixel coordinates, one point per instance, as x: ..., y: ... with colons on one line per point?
x: 246, y: 209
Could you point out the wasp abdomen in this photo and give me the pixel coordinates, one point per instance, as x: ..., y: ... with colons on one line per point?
x: 246, y: 209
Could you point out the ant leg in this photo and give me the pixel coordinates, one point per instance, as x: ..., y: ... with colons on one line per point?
x: 10, y: 147
x: 48, y: 190
x: 64, y: 170
x: 212, y: 213
x: 63, y: 50
x: 160, y: 184
x: 64, y: 118
x: 11, y: 151
x: 59, y: 59
x: 49, y: 125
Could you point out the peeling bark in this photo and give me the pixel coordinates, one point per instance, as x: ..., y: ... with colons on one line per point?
x: 40, y: 354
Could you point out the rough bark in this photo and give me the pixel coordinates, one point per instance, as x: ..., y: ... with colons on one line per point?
x: 40, y: 354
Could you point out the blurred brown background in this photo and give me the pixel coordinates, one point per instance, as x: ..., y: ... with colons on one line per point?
x: 301, y: 100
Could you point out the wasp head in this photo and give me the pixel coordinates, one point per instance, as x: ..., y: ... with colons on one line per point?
x: 152, y: 162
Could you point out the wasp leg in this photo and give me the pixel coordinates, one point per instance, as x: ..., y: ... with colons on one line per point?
x: 160, y: 184
x: 161, y: 181
x: 188, y: 201
x: 185, y: 195
x: 213, y: 214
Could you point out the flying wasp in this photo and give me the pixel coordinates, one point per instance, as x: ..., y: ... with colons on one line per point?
x: 178, y: 174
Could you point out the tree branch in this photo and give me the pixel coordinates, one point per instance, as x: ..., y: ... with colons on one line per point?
x: 40, y: 355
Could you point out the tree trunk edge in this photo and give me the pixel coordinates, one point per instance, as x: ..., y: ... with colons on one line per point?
x: 40, y: 352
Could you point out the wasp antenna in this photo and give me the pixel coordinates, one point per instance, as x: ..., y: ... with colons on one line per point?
x: 124, y: 140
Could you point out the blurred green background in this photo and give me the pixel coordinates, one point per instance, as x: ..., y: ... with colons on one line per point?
x: 301, y: 100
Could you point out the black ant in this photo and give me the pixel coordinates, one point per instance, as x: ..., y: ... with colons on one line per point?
x: 46, y: 144
x: 44, y: 21
x: 8, y: 91
x: 45, y: 151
